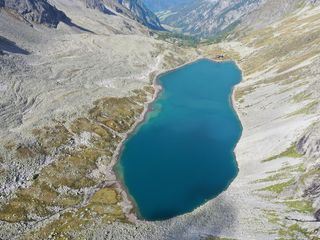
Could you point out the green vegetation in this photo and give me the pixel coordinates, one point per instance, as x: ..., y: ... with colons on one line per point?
x: 290, y: 169
x: 275, y: 177
x: 272, y: 216
x: 179, y: 38
x: 305, y: 110
x: 283, y: 173
x: 241, y: 92
x: 221, y: 36
x: 102, y: 206
x: 24, y: 152
x: 311, y: 173
x: 297, y: 60
x: 279, y: 187
x: 116, y: 113
x: 302, y: 206
x: 72, y: 168
x: 295, y: 231
x: 290, y: 152
x: 149, y: 89
x: 218, y: 238
x: 301, y: 97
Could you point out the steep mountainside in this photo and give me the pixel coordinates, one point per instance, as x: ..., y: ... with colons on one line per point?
x: 265, y: 14
x: 134, y: 9
x: 207, y: 17
x: 278, y: 104
x: 211, y: 18
x: 35, y: 11
x: 43, y: 12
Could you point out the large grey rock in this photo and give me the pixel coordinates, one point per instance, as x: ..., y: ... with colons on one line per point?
x: 317, y: 215
x: 36, y: 11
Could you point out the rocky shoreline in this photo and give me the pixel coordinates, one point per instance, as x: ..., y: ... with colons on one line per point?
x: 128, y: 202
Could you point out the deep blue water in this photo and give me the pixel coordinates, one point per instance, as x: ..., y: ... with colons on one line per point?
x: 182, y: 154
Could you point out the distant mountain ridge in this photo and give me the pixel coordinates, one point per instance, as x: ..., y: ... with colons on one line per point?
x: 208, y: 17
x: 265, y: 14
x: 136, y: 10
x: 42, y: 12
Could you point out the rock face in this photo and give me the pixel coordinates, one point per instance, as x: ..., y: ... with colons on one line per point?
x: 97, y: 4
x: 38, y: 11
x: 133, y: 9
x: 42, y: 12
x: 143, y: 14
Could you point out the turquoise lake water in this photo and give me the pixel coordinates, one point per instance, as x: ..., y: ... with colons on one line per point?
x: 182, y: 155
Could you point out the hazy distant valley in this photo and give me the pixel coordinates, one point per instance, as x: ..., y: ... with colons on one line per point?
x: 205, y: 18
x: 76, y: 77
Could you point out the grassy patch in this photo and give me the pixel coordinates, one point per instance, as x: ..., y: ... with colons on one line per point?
x: 72, y: 166
x: 312, y: 173
x: 296, y: 168
x: 51, y: 138
x: 180, y: 39
x: 271, y: 178
x: 305, y: 110
x: 295, y: 231
x: 301, y: 206
x: 149, y: 89
x: 271, y: 216
x: 117, y: 113
x: 241, y: 92
x: 221, y: 36
x: 24, y: 152
x: 102, y: 207
x: 301, y: 97
x: 297, y: 60
x: 279, y: 187
x: 290, y: 152
x: 218, y: 238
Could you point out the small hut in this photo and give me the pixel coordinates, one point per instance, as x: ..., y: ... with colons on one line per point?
x: 220, y: 56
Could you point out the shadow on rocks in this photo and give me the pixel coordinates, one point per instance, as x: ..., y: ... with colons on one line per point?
x: 212, y: 219
x: 9, y: 46
x: 69, y: 22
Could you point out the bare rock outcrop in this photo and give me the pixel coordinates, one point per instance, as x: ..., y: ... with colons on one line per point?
x: 133, y: 9
x: 99, y: 5
x: 35, y: 11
